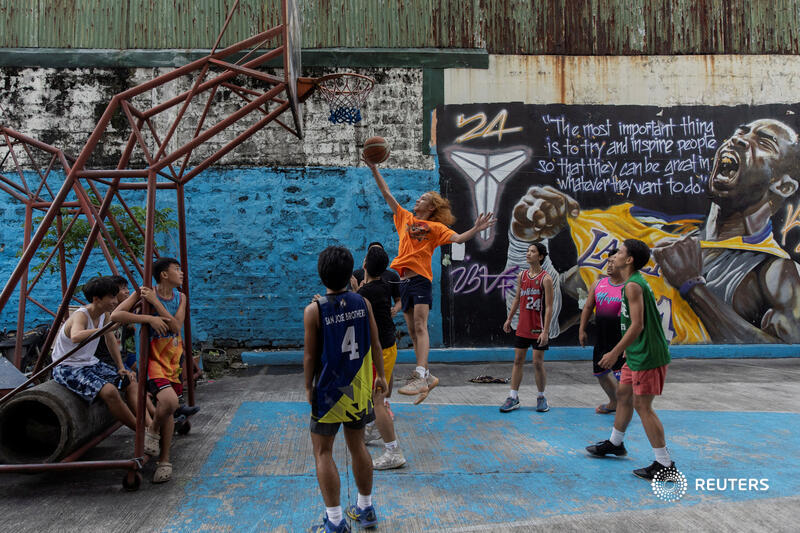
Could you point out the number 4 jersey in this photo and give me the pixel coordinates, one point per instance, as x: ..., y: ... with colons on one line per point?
x: 343, y: 377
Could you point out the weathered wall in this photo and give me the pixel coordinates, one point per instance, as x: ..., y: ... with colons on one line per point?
x: 584, y: 152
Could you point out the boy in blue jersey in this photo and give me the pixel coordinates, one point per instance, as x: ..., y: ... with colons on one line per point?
x: 340, y: 339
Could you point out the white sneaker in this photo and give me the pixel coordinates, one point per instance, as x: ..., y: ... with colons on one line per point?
x: 371, y: 433
x: 416, y: 385
x: 390, y: 459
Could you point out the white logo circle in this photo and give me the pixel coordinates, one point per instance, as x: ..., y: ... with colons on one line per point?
x: 669, y: 484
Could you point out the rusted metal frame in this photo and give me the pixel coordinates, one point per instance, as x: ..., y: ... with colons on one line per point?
x: 91, y: 216
x: 242, y: 93
x: 75, y: 465
x: 274, y: 80
x: 175, y: 176
x: 44, y: 206
x: 62, y: 309
x: 41, y: 306
x: 136, y: 126
x: 77, y: 454
x: 218, y: 127
x: 17, y: 187
x: 264, y: 110
x: 128, y: 173
x: 26, y: 238
x: 46, y: 175
x: 225, y: 26
x: 21, y: 137
x: 37, y: 373
x: 222, y: 77
x: 130, y: 213
x: 199, y: 128
x: 235, y: 142
x: 143, y: 186
x: 59, y: 247
x: 19, y: 167
x: 188, y: 360
x: 242, y: 59
x: 12, y: 193
x: 121, y: 235
x: 144, y: 340
x: 38, y: 169
x: 62, y: 258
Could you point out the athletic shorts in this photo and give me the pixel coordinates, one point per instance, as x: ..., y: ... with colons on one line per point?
x: 598, y: 371
x: 156, y: 384
x: 416, y: 290
x: 331, y: 428
x: 389, y: 359
x: 645, y: 382
x: 86, y: 381
x: 523, y: 343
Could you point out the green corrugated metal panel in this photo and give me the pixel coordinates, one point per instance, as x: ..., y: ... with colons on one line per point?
x: 502, y: 26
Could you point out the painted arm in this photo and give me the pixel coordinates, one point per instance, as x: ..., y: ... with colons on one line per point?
x: 780, y: 281
x: 633, y: 292
x: 514, y: 305
x: 544, y: 336
x: 377, y: 351
x: 484, y: 220
x: 586, y: 314
x: 387, y: 194
x: 310, y: 346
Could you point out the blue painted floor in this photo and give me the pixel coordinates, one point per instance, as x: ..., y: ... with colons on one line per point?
x: 472, y: 465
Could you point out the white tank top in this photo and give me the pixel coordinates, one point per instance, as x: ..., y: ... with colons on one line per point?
x: 84, y: 356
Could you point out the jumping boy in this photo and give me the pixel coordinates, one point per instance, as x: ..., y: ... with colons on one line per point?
x: 646, y: 358
x: 379, y: 294
x: 535, y: 290
x: 340, y: 338
x: 163, y: 365
x: 82, y: 372
x: 605, y: 299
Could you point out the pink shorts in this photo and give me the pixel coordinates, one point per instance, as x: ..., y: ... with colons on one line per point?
x: 645, y: 382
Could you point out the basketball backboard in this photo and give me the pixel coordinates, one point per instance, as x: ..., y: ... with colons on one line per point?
x: 292, y: 66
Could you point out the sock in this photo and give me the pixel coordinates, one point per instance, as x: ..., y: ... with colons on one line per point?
x: 391, y: 445
x: 616, y: 437
x: 422, y: 372
x: 541, y: 394
x: 513, y: 394
x: 662, y: 456
x: 364, y: 501
x: 334, y: 514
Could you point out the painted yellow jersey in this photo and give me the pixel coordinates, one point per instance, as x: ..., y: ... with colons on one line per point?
x: 596, y: 231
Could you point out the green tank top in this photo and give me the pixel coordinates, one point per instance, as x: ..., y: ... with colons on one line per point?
x: 650, y: 349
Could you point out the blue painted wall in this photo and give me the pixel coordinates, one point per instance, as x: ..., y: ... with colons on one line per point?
x: 254, y: 236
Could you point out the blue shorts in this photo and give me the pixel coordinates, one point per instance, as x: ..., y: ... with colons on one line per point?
x: 416, y: 290
x: 86, y: 381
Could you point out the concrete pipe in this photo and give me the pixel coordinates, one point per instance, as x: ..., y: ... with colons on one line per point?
x: 46, y: 423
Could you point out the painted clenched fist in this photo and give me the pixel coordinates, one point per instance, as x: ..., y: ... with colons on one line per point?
x: 542, y: 213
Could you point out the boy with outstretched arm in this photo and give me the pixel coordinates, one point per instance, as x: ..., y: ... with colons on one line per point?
x: 340, y: 339
x: 646, y: 352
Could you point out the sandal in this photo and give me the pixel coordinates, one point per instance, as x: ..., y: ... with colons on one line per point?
x: 152, y: 444
x: 603, y: 409
x: 163, y: 472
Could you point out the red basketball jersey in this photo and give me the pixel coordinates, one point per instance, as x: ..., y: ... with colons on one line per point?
x: 531, y: 305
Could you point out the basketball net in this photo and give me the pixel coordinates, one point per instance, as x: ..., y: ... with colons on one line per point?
x: 345, y: 94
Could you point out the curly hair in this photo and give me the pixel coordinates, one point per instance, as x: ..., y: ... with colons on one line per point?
x: 441, y: 209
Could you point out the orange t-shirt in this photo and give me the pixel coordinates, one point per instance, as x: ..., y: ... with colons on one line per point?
x: 418, y: 239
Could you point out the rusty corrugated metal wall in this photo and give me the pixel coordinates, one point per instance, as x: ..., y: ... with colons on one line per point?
x: 574, y: 27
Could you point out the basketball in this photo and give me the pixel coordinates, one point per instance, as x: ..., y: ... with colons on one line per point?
x: 376, y: 150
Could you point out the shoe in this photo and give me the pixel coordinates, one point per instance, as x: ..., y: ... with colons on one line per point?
x: 431, y: 381
x: 541, y: 405
x: 389, y: 409
x: 509, y: 405
x: 366, y: 518
x: 606, y: 447
x: 187, y: 410
x: 152, y: 443
x: 651, y: 471
x: 371, y: 433
x: 415, y: 385
x: 327, y: 527
x: 390, y: 459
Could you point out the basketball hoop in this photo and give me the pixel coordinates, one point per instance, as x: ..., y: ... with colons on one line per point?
x: 345, y: 94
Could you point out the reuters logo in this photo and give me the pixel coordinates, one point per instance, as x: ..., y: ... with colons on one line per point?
x: 669, y: 484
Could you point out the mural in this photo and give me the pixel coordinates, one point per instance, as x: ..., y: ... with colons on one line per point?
x: 713, y: 190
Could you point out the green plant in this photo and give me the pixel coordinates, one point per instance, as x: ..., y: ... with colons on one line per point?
x: 79, y: 233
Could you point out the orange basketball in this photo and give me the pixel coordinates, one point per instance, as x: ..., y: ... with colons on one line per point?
x: 376, y: 150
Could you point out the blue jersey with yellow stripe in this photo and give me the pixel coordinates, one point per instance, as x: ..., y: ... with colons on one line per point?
x: 343, y: 380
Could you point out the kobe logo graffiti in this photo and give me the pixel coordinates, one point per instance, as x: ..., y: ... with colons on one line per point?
x: 486, y: 171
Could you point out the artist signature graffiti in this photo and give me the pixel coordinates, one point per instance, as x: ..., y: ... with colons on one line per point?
x: 473, y: 277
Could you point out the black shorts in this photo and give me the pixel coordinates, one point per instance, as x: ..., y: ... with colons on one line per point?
x: 599, y: 352
x: 523, y: 343
x: 331, y: 428
x: 416, y: 290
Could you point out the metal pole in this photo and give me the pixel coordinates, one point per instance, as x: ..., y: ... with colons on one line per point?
x: 188, y: 360
x: 23, y: 290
